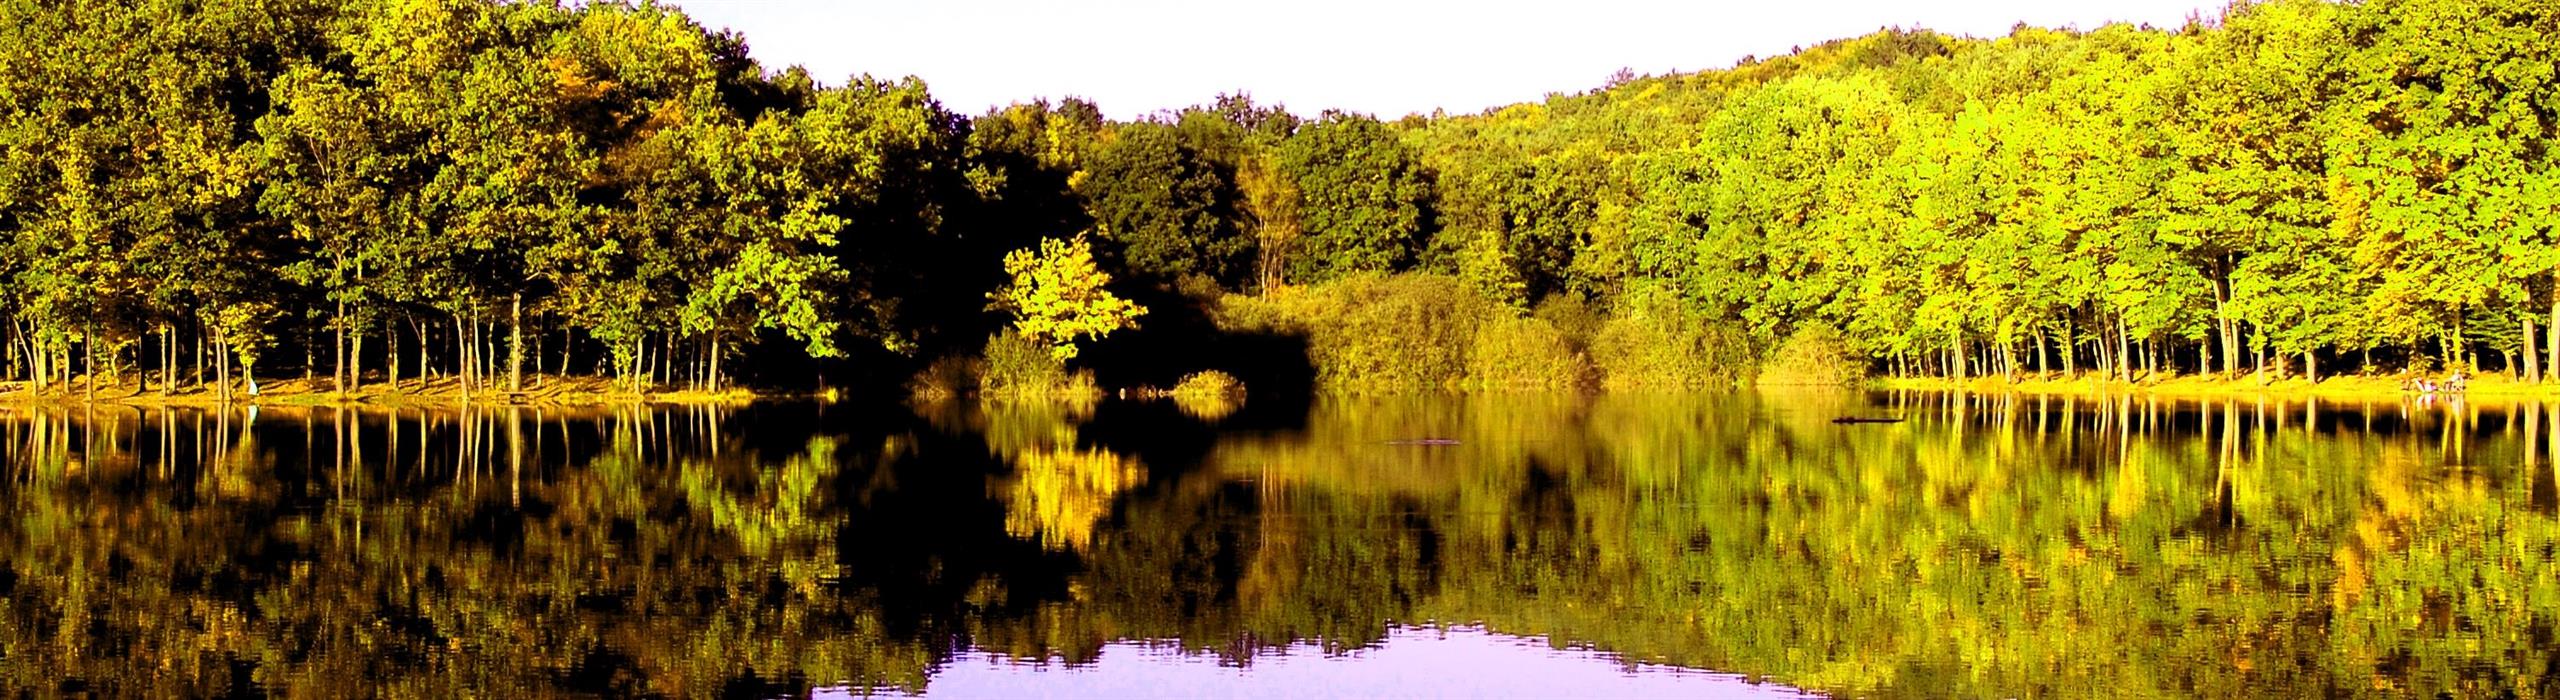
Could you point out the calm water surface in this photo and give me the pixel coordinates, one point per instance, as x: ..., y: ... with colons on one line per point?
x: 1620, y: 546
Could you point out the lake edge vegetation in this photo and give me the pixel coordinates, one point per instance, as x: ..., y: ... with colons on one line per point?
x: 482, y: 193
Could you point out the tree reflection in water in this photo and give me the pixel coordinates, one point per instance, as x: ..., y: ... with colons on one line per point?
x: 1988, y: 546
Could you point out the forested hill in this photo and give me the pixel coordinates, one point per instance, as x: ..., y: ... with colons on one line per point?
x: 472, y: 187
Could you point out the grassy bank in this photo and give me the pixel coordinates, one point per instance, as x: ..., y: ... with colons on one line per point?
x: 2497, y: 386
x: 546, y: 390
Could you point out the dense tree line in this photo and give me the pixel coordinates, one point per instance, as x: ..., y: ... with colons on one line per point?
x: 479, y: 190
x: 2295, y: 180
x: 449, y: 186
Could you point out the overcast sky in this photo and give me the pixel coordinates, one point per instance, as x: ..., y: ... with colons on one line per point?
x: 1386, y: 57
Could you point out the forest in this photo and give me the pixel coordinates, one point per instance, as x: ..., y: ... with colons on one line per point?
x: 479, y: 192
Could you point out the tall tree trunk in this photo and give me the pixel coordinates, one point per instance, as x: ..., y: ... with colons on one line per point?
x: 639, y: 360
x: 168, y: 358
x: 2311, y: 366
x: 222, y: 368
x: 2044, y: 361
x: 568, y: 346
x: 462, y: 356
x: 427, y: 371
x: 142, y: 364
x: 391, y: 353
x: 2532, y: 359
x: 715, y: 362
x: 89, y: 358
x: 2224, y: 327
x: 338, y: 372
x: 537, y: 356
x: 515, y: 346
x: 355, y: 360
x: 2551, y: 343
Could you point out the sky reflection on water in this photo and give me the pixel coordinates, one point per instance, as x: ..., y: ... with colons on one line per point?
x: 1411, y: 662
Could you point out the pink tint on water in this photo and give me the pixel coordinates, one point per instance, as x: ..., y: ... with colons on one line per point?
x: 1413, y: 662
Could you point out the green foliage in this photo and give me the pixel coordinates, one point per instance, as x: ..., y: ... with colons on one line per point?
x: 2294, y: 178
x: 1375, y: 333
x: 1653, y: 342
x: 1057, y: 296
x: 1490, y: 269
x: 1363, y: 198
x: 1813, y: 356
x: 1015, y: 366
x: 1166, y: 207
x: 1513, y: 353
x: 248, y: 329
x: 1208, y: 395
x: 1209, y: 383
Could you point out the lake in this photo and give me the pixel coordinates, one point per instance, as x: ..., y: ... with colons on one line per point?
x: 1527, y: 546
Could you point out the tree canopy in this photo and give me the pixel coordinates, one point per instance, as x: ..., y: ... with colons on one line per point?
x: 481, y: 188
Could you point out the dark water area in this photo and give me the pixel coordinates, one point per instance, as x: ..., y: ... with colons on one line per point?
x: 1520, y: 546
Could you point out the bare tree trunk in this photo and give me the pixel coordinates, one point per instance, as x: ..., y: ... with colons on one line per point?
x: 355, y: 361
x: 338, y: 372
x: 715, y: 362
x: 142, y: 364
x: 462, y: 356
x: 515, y: 346
x: 391, y: 353
x: 2551, y: 341
x: 89, y: 358
x: 2224, y: 328
x: 2527, y: 347
x: 537, y: 358
x: 2044, y: 358
x: 222, y: 368
x: 168, y: 358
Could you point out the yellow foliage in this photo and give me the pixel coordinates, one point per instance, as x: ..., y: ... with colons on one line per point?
x: 1057, y: 296
x: 1059, y: 493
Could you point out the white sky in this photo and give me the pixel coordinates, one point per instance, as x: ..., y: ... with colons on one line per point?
x: 1386, y: 57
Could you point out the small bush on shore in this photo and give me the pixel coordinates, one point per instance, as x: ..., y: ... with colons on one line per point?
x: 1524, y: 353
x: 1019, y: 367
x: 1208, y: 395
x: 947, y: 378
x: 1425, y: 332
x: 1653, y: 341
x: 1209, y: 383
x: 1814, y: 355
x: 1375, y: 333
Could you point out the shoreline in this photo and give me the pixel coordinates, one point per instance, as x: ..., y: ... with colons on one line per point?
x: 557, y: 390
x: 2498, y: 387
x: 543, y: 390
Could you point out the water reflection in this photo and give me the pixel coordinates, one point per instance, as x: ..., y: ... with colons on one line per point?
x: 1988, y: 545
x: 1409, y: 662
